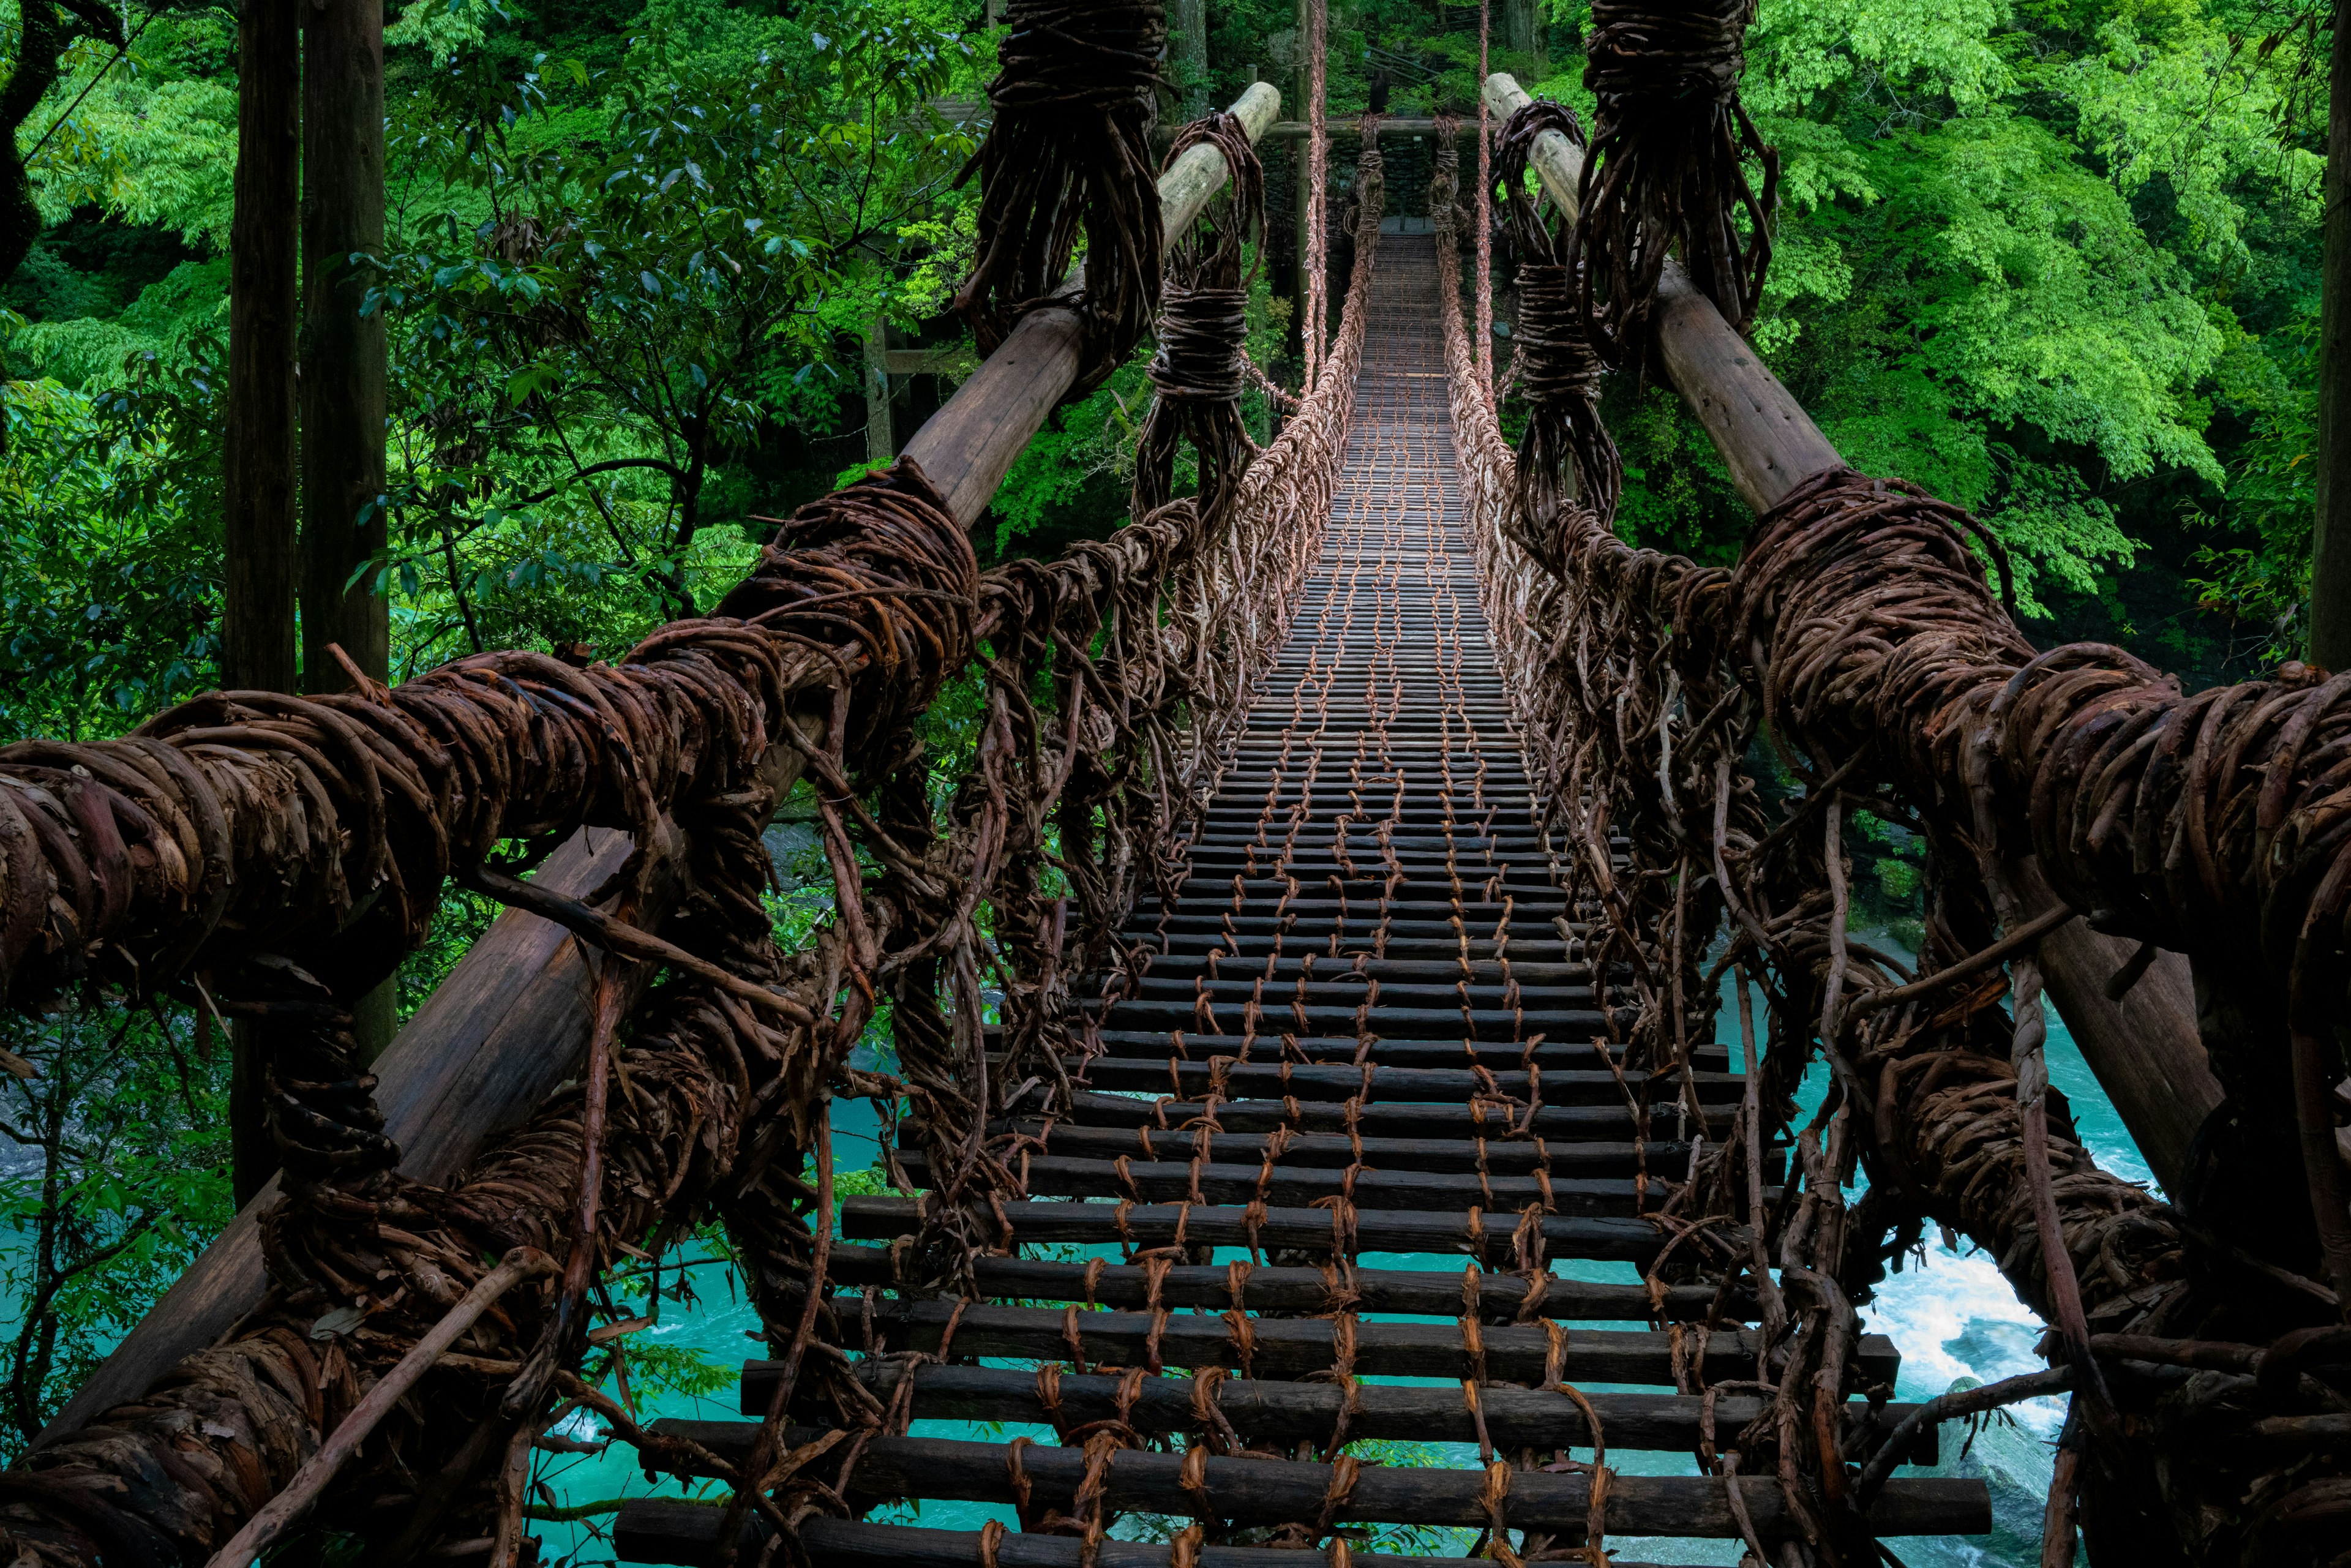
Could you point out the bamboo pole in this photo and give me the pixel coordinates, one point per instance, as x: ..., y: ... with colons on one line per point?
x: 2144, y: 1047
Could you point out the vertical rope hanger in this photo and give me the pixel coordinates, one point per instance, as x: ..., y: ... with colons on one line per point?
x: 1481, y: 346
x: 1318, y: 177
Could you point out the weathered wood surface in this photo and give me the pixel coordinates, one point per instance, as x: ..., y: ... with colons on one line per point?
x: 1263, y: 1492
x: 968, y: 446
x: 1273, y: 1289
x: 2145, y: 1049
x: 1289, y: 1412
x: 666, y: 1530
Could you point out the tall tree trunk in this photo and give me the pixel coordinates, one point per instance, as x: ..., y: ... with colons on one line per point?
x: 2330, y: 568
x: 257, y: 491
x: 1525, y: 32
x: 344, y: 370
x: 1188, y: 40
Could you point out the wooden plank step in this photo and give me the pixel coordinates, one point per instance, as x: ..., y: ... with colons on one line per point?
x: 1418, y: 1085
x: 668, y: 1529
x: 1293, y: 1186
x: 1393, y: 1118
x: 1271, y: 1289
x: 1298, y: 1347
x: 1566, y: 1055
x: 1520, y: 1157
x: 1290, y: 1411
x: 1488, y: 1022
x: 1267, y: 1491
x: 1306, y: 1231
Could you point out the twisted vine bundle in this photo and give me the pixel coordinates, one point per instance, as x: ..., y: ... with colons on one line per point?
x: 1069, y: 150
x: 1552, y: 361
x: 1669, y: 147
x: 1202, y: 364
x: 866, y: 603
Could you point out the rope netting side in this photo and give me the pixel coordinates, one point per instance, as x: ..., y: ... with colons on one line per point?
x: 1861, y: 627
x: 1154, y: 643
x: 860, y: 610
x: 246, y: 831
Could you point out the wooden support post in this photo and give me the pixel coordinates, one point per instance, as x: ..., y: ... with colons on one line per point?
x: 1187, y: 43
x: 344, y: 354
x: 2145, y: 1049
x: 510, y: 1021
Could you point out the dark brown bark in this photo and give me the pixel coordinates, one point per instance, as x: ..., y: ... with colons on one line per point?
x: 257, y: 522
x: 345, y: 376
x: 2330, y: 566
x: 344, y: 359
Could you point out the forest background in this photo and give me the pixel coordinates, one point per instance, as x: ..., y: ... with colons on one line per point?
x: 2055, y: 260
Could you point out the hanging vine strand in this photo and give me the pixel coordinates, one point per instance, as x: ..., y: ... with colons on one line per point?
x: 1068, y: 152
x: 1670, y: 143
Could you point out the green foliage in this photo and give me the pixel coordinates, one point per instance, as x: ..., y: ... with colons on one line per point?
x: 117, y: 1180
x: 618, y: 281
x: 109, y: 567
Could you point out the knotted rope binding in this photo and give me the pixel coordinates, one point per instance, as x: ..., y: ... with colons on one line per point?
x: 1553, y: 362
x: 1202, y: 366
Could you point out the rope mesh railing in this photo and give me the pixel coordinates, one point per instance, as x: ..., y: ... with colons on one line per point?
x: 236, y: 844
x: 266, y: 858
x: 1860, y: 633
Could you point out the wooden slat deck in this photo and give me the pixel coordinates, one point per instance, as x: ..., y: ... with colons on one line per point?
x: 1370, y: 945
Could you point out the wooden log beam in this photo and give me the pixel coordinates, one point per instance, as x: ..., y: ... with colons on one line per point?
x: 494, y: 1040
x: 1256, y: 1491
x: 1768, y: 441
x: 1289, y: 1411
x: 510, y: 1020
x: 968, y: 446
x: 2145, y: 1049
x: 1416, y: 1292
x: 1290, y: 1348
x: 672, y: 1529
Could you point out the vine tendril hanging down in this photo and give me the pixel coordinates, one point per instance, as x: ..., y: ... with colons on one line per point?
x: 1068, y: 150
x: 1670, y: 146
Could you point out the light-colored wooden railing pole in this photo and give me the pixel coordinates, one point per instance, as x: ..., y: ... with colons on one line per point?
x: 509, y: 1024
x: 2144, y: 1050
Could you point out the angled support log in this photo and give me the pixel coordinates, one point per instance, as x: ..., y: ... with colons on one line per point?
x: 2144, y: 1048
x: 509, y: 1023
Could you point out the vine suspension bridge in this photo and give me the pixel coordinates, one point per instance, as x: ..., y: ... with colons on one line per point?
x: 1305, y: 993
